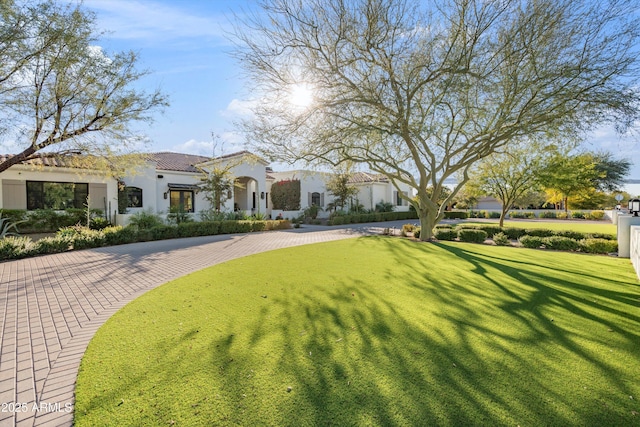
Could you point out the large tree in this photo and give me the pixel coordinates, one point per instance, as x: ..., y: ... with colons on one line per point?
x: 60, y: 92
x: 420, y: 91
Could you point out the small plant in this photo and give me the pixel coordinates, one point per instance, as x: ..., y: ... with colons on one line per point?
x: 145, y: 220
x: 577, y: 215
x: 595, y: 215
x: 531, y: 242
x: 258, y: 216
x: 7, y: 227
x: 383, y: 206
x: 178, y: 215
x: 501, y: 239
x: 13, y: 247
x: 209, y: 215
x: 408, y: 229
x: 561, y: 243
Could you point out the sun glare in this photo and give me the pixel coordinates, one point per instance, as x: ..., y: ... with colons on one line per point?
x: 301, y: 95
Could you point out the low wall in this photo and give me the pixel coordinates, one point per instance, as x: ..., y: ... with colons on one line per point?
x: 635, y: 248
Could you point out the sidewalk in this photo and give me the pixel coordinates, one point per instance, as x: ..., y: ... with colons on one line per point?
x: 51, y: 306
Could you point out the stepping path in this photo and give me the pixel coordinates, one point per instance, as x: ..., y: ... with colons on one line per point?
x: 51, y: 306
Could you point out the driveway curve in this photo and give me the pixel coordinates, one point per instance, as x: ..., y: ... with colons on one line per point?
x: 51, y: 306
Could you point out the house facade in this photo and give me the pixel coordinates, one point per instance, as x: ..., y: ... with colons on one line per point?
x: 170, y: 180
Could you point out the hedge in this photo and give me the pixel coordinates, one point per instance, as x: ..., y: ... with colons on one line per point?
x: 77, y: 237
x: 372, y: 217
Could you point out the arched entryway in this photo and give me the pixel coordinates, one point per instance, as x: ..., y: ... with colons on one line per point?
x: 246, y: 195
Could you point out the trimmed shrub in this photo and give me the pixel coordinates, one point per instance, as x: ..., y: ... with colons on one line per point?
x: 456, y: 215
x: 577, y: 215
x: 539, y: 232
x: 562, y: 215
x: 561, y: 243
x: 595, y: 215
x: 532, y: 242
x: 120, y: 235
x: 521, y: 214
x: 445, y: 233
x: 514, y: 233
x: 601, y: 236
x: 438, y: 226
x: 494, y: 214
x: 162, y: 232
x: 547, y: 214
x: 416, y: 232
x: 575, y: 235
x: 472, y: 236
x: 489, y: 229
x: 598, y: 246
x: 501, y: 239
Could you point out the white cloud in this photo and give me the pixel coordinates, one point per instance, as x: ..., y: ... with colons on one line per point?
x: 192, y: 146
x: 143, y: 19
x: 239, y: 108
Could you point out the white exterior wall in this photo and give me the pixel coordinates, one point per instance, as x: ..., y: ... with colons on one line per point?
x: 58, y: 174
x: 145, y: 179
x: 370, y: 194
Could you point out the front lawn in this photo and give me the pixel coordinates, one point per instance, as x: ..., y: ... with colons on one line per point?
x: 375, y: 331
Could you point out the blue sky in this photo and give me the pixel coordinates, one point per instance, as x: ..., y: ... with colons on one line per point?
x: 183, y: 43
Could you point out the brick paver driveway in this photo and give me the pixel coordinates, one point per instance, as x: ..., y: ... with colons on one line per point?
x: 51, y: 306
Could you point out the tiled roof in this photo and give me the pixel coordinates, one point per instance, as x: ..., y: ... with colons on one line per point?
x: 45, y: 160
x: 178, y: 161
x: 364, y: 177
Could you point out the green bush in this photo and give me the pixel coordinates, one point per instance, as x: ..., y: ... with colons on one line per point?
x: 456, y: 215
x: 521, y: 215
x: 445, y: 233
x: 99, y: 223
x: 162, y: 232
x: 562, y: 215
x: 416, y: 232
x: 540, y: 232
x: 514, y: 233
x: 501, y: 239
x: 547, y: 214
x: 577, y: 215
x: 494, y: 214
x: 145, y: 220
x: 595, y: 215
x: 489, y: 229
x: 14, y: 215
x: 408, y: 229
x: 598, y: 246
x: 120, y: 235
x: 575, y: 235
x: 560, y: 243
x: 472, y: 236
x: 53, y: 245
x: 14, y: 247
x: 601, y: 236
x: 532, y: 242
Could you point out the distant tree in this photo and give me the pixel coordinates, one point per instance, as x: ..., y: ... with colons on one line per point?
x: 338, y: 186
x: 565, y: 176
x: 60, y: 92
x: 217, y: 184
x: 420, y: 91
x: 612, y: 171
x: 510, y: 176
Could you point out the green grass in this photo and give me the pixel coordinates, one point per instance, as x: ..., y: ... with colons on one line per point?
x: 579, y: 226
x: 375, y: 331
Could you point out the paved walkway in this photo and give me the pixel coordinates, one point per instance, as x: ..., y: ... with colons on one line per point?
x: 51, y: 306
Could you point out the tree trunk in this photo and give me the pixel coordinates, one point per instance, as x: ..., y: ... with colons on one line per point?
x: 428, y: 220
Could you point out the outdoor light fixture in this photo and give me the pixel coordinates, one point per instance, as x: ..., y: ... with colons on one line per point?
x: 262, y: 195
x: 634, y: 206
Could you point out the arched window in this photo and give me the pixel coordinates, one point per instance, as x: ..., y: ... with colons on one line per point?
x: 315, y: 199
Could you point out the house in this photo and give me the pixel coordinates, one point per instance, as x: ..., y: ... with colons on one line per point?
x: 170, y: 180
x: 55, y: 183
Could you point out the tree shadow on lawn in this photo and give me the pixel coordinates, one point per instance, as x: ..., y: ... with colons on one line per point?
x: 479, y: 339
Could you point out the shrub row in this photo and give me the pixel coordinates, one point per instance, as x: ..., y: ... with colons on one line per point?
x: 47, y: 220
x: 76, y: 237
x: 565, y: 240
x: 593, y: 215
x: 372, y: 217
x: 560, y: 243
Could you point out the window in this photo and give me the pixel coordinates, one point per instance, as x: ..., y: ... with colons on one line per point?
x: 181, y: 199
x: 134, y: 197
x: 399, y: 200
x: 315, y: 199
x: 56, y: 195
